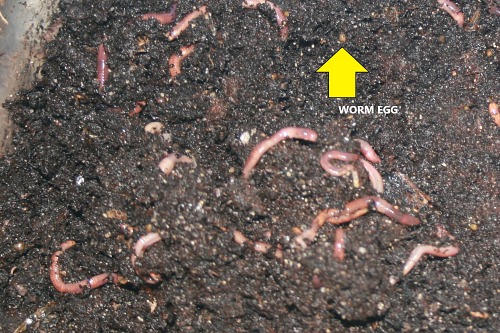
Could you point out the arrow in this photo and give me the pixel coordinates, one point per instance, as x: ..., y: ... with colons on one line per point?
x: 342, y: 69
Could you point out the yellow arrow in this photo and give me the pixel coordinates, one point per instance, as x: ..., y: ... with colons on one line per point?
x: 342, y: 69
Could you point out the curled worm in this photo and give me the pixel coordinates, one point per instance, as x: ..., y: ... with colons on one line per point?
x: 265, y: 145
x: 184, y: 23
x: 419, y: 251
x: 77, y: 287
x: 175, y: 61
x: 139, y: 248
x: 451, y: 8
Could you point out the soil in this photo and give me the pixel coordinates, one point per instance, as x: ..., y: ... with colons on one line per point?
x: 82, y: 167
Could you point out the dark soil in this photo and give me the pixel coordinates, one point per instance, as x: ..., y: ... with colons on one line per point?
x: 79, y: 155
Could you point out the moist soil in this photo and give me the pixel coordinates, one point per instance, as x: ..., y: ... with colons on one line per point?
x: 84, y: 169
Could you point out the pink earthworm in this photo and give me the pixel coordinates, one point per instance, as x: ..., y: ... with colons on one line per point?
x: 163, y: 18
x: 351, y: 211
x: 339, y: 246
x: 493, y: 109
x: 368, y: 151
x: 495, y: 10
x: 258, y: 246
x: 420, y: 250
x: 139, y: 248
x: 337, y: 155
x: 265, y: 145
x: 374, y: 175
x: 175, y: 61
x: 381, y: 206
x: 451, y: 8
x: 281, y: 18
x: 168, y: 162
x: 102, y: 66
x: 77, y: 287
x: 184, y: 23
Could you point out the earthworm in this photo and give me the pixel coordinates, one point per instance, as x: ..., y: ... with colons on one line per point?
x: 495, y: 10
x: 175, y: 61
x: 420, y: 250
x: 351, y: 211
x: 381, y: 206
x: 265, y: 145
x: 374, y: 175
x: 281, y: 18
x: 77, y: 287
x: 451, y: 8
x: 184, y: 23
x: 163, y: 18
x: 493, y: 108
x: 139, y: 248
x: 337, y: 155
x: 368, y: 151
x: 168, y: 162
x: 102, y: 66
x: 139, y: 105
x: 258, y: 246
x: 339, y: 246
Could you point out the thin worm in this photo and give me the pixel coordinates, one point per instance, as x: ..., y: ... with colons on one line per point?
x: 139, y: 105
x: 163, y: 18
x: 339, y: 246
x: 341, y: 156
x: 451, y: 8
x: 381, y: 206
x: 420, y: 250
x: 281, y: 18
x: 495, y: 10
x: 77, y: 287
x: 351, y: 211
x: 168, y: 162
x: 184, y: 23
x: 175, y: 61
x: 258, y: 246
x: 374, y: 175
x: 102, y: 67
x: 368, y: 151
x: 139, y: 248
x: 265, y: 145
x: 493, y: 109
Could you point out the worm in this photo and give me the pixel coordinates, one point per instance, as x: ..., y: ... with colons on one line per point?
x: 374, y: 175
x: 339, y: 246
x: 351, y: 211
x: 258, y: 246
x: 163, y: 18
x: 281, y: 18
x: 139, y: 248
x: 420, y: 250
x: 451, y: 8
x: 175, y: 61
x: 381, y: 206
x: 368, y: 151
x: 493, y: 108
x: 77, y: 287
x: 337, y: 155
x: 265, y: 145
x: 139, y: 105
x: 168, y: 162
x: 495, y: 10
x: 102, y: 67
x: 184, y: 23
